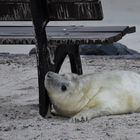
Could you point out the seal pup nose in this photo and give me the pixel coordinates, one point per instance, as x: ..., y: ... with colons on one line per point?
x: 48, y: 75
x: 51, y: 74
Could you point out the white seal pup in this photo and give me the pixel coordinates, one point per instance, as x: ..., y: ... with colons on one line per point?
x: 87, y: 96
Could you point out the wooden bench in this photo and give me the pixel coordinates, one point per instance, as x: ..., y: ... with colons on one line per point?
x: 66, y: 39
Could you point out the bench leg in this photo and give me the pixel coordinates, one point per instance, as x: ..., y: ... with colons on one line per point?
x: 43, y: 68
x: 75, y: 60
x: 43, y: 55
x: 60, y: 55
x: 73, y: 52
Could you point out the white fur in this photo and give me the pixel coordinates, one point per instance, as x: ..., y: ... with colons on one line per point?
x: 93, y: 95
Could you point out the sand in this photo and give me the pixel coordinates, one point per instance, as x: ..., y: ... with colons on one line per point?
x: 19, y: 117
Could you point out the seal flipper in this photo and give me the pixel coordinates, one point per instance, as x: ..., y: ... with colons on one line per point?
x: 87, y: 114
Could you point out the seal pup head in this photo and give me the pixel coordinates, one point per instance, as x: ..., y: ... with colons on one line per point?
x: 65, y: 93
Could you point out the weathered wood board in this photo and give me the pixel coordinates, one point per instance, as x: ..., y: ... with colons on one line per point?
x: 12, y: 10
x: 65, y: 34
x: 75, y: 10
x: 55, y: 10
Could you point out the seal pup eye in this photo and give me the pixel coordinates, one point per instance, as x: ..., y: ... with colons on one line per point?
x: 63, y: 88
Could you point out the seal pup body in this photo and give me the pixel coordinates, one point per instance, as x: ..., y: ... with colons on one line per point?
x: 87, y: 96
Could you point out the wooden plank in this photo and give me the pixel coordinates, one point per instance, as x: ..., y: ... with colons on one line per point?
x: 16, y: 30
x: 75, y: 10
x: 14, y: 1
x: 64, y: 34
x: 73, y: 38
x: 28, y: 30
x: 83, y: 38
x: 12, y: 10
x: 69, y: 1
x: 56, y: 10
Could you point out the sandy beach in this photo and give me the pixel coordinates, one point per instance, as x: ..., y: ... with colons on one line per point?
x: 19, y: 117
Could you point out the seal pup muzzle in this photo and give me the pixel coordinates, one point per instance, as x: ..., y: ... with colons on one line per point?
x: 88, y: 96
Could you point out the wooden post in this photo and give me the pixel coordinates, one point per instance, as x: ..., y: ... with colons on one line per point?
x: 38, y: 10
